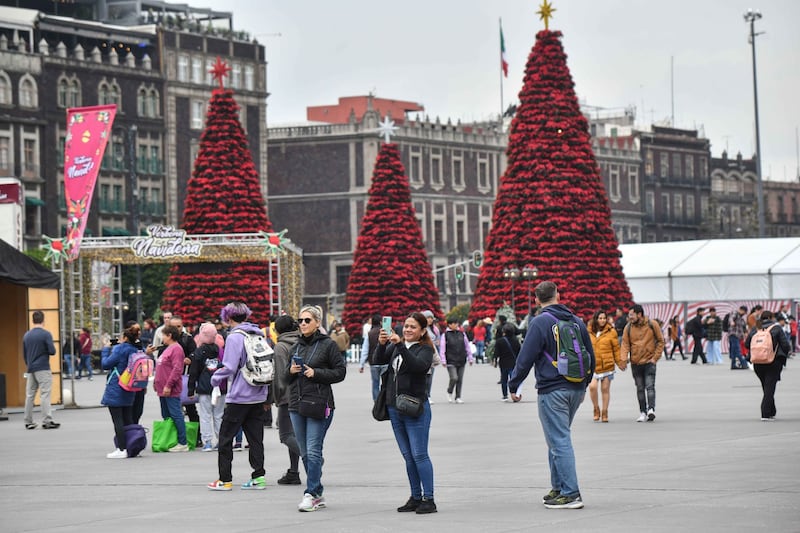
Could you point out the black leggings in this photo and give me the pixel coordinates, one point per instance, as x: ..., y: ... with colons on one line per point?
x: 121, y: 417
x: 287, y: 436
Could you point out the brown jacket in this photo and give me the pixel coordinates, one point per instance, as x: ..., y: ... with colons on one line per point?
x: 644, y: 342
x: 342, y: 340
x: 606, y: 350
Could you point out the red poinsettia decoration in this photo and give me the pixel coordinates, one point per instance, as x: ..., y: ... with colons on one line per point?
x: 551, y: 210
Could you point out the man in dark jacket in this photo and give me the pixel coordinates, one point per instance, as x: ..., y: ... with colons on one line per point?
x: 37, y: 346
x: 559, y: 398
x: 695, y: 328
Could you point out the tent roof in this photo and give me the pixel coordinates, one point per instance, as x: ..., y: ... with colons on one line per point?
x: 719, y: 257
x: 18, y: 268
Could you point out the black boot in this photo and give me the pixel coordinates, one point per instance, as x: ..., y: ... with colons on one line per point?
x: 426, y: 507
x: 290, y: 478
x: 410, y: 506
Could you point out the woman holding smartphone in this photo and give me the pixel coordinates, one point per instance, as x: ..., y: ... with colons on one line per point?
x: 409, y: 360
x: 316, y: 364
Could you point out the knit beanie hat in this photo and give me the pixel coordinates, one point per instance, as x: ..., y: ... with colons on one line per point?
x: 207, y: 334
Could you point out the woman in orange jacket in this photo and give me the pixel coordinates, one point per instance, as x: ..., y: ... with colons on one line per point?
x: 607, y: 355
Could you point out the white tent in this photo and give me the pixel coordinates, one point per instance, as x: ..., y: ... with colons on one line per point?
x: 713, y: 270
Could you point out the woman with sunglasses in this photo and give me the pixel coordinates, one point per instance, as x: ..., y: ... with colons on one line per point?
x: 316, y: 364
x: 409, y: 359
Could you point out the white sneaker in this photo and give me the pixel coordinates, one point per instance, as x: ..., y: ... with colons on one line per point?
x: 642, y: 417
x: 309, y: 503
x: 450, y: 397
x: 179, y: 448
x: 651, y: 415
x: 117, y: 454
x: 430, y: 401
x: 459, y: 400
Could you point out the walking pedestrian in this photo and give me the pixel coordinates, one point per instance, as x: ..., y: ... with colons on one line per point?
x: 769, y: 374
x: 643, y: 342
x: 607, y: 357
x: 455, y: 352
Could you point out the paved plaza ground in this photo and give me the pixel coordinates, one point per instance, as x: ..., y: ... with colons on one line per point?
x: 707, y: 463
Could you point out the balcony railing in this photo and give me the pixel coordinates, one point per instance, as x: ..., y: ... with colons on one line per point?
x: 112, y: 206
x: 155, y: 209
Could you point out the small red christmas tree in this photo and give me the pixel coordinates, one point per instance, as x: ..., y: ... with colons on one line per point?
x: 551, y: 210
x: 391, y: 274
x: 222, y: 196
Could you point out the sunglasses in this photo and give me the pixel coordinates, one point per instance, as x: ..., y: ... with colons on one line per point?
x: 305, y: 320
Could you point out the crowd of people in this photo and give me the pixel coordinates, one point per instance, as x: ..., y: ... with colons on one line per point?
x: 202, y: 377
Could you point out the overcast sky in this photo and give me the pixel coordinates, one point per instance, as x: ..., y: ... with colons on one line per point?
x: 444, y: 54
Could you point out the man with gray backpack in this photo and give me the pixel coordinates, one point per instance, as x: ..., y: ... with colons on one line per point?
x: 247, y: 391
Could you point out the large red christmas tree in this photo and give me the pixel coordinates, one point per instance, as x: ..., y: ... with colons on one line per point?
x: 551, y: 210
x: 222, y: 196
x: 391, y: 274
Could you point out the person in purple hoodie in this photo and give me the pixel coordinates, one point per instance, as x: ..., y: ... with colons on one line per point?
x: 243, y: 403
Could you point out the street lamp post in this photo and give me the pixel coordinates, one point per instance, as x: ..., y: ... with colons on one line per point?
x: 134, y: 184
x: 137, y: 292
x: 751, y: 17
x: 512, y: 273
x: 529, y: 274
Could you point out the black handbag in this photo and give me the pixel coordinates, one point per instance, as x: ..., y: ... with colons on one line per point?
x: 313, y: 407
x: 409, y: 405
x: 379, y: 410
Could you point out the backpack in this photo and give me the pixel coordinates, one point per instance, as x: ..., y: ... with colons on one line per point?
x: 258, y: 370
x: 761, y: 349
x: 573, y: 360
x: 138, y: 372
x: 726, y: 323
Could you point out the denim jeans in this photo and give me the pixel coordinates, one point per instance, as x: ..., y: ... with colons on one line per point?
x: 85, y: 362
x: 735, y: 352
x: 43, y: 381
x: 377, y: 371
x: 69, y: 359
x: 456, y: 374
x: 556, y: 411
x: 171, y: 408
x: 411, y: 434
x: 714, y: 353
x: 310, y: 433
x: 645, y: 378
x: 505, y: 373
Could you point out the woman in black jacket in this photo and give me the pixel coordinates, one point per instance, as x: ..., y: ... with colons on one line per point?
x: 409, y: 360
x: 506, y: 348
x: 770, y: 374
x: 316, y: 364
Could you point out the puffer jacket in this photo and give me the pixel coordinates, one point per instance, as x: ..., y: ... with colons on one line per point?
x: 322, y: 354
x: 116, y: 361
x: 282, y: 359
x: 606, y: 350
x: 644, y: 342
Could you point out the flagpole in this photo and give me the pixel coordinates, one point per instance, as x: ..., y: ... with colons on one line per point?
x: 500, y: 22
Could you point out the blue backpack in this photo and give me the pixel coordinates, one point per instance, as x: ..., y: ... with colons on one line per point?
x: 573, y: 360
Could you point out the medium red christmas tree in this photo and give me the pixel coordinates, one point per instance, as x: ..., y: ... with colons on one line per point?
x: 391, y: 274
x: 551, y: 210
x: 222, y: 196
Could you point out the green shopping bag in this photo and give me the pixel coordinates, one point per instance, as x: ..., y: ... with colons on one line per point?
x: 165, y: 434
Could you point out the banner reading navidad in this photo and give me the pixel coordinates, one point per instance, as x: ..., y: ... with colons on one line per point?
x: 88, y: 130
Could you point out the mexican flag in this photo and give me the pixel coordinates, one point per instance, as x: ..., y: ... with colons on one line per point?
x: 503, y: 60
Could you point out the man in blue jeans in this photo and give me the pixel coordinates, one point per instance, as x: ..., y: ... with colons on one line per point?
x: 558, y: 400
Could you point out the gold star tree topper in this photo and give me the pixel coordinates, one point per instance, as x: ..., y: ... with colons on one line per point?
x: 546, y: 11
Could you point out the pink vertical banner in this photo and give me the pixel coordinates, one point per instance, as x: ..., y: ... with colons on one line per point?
x: 88, y: 130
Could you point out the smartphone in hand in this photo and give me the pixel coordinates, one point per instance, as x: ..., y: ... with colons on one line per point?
x: 298, y: 361
x: 386, y: 325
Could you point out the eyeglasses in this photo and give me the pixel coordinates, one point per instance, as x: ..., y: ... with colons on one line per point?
x: 306, y: 320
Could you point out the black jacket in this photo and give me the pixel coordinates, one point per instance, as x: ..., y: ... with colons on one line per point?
x: 779, y: 341
x: 410, y: 378
x: 322, y: 354
x: 199, y: 374
x: 506, y: 350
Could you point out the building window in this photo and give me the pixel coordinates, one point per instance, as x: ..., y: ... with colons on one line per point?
x: 236, y: 76
x: 5, y: 89
x: 74, y: 94
x: 483, y: 172
x: 650, y: 203
x: 703, y: 167
x: 29, y: 156
x: 63, y: 91
x: 197, y: 114
x: 648, y: 163
x: 197, y: 70
x: 27, y: 92
x: 5, y: 154
x: 342, y: 278
x: 249, y: 78
x: 705, y: 210
x: 183, y: 68
x: 209, y: 68
x: 415, y: 166
x: 437, y: 180
x: 458, y: 170
x: 633, y: 183
x: 460, y: 238
x: 419, y: 213
x: 119, y: 204
x: 109, y: 93
x: 664, y: 166
x: 141, y: 102
x: 613, y: 182
x: 677, y: 204
x: 676, y: 165
x: 689, y: 160
x: 690, y: 209
x: 438, y: 235
x: 665, y: 212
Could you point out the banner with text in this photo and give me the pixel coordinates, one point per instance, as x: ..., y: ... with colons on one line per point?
x: 88, y: 131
